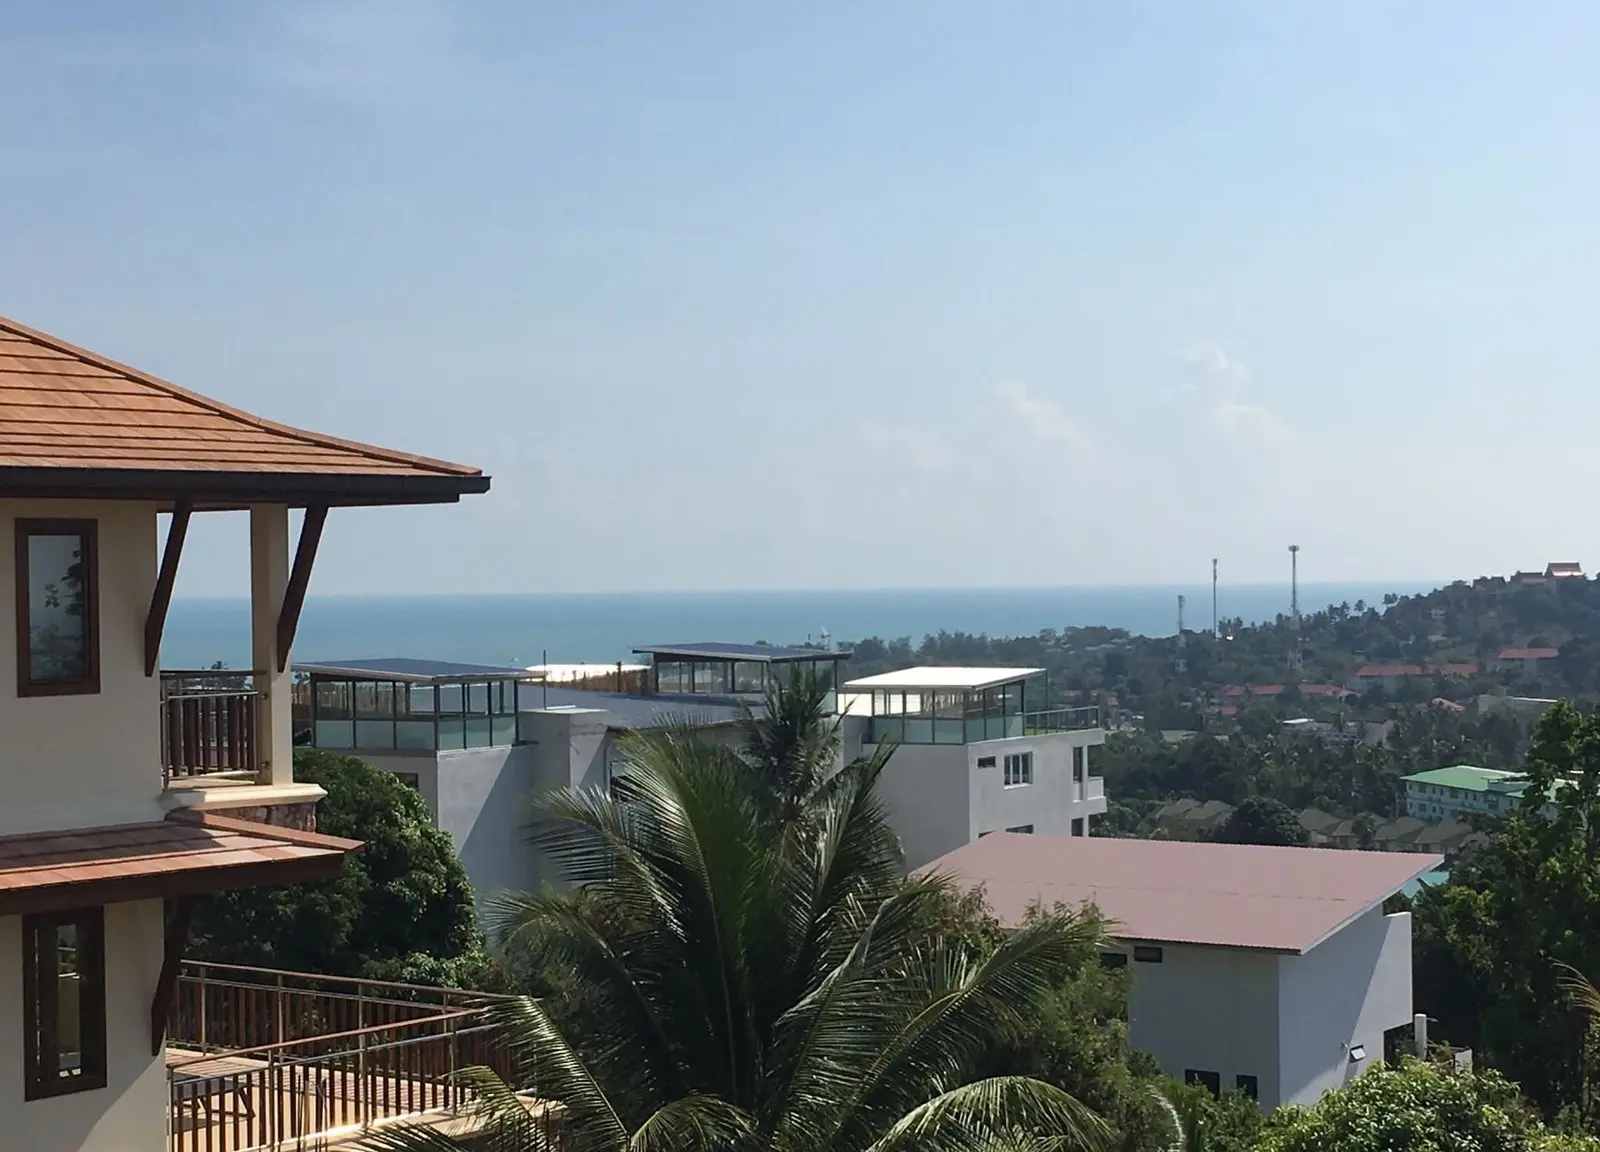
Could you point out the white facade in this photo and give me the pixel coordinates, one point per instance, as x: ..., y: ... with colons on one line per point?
x: 941, y: 796
x: 1299, y: 1025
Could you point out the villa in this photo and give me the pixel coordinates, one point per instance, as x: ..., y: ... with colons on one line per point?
x: 133, y: 791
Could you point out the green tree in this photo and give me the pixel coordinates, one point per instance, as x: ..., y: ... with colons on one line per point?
x: 1418, y: 1107
x: 792, y: 743
x: 402, y: 908
x: 1263, y: 820
x: 765, y: 986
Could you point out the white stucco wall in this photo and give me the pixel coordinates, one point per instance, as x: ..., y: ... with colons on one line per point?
x: 1052, y: 802
x: 1213, y: 1009
x: 81, y: 761
x: 926, y: 790
x: 130, y: 1113
x: 1343, y: 993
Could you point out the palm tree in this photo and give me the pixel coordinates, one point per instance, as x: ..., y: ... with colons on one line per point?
x: 761, y: 985
x: 792, y: 742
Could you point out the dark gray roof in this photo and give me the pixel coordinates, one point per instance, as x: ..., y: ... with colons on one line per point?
x: 409, y: 670
x: 635, y: 711
x: 764, y: 653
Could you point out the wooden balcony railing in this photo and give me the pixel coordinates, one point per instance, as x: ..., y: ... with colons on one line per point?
x: 258, y: 1059
x: 208, y: 724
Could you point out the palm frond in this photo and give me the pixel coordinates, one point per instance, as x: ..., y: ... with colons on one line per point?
x: 985, y: 1113
x: 694, y: 1124
x: 1578, y: 989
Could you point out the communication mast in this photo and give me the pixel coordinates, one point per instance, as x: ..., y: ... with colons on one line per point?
x: 1215, y: 631
x: 1294, y: 607
x: 1181, y: 664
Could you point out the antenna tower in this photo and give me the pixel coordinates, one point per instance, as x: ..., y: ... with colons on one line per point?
x: 1294, y: 606
x: 1215, y: 631
x: 1181, y: 664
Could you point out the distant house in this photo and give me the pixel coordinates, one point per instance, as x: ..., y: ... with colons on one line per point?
x: 1388, y: 676
x: 1527, y: 707
x: 1446, y: 705
x: 1461, y: 671
x: 1462, y: 790
x: 1330, y: 690
x: 1564, y: 570
x: 1527, y: 657
x: 1272, y: 971
x: 1317, y: 823
x: 1528, y: 579
x: 1188, y: 818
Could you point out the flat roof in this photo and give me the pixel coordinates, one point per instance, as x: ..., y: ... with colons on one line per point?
x: 761, y: 653
x: 934, y: 678
x: 410, y: 671
x: 187, y: 854
x: 1180, y: 892
x: 1464, y: 776
x: 627, y: 711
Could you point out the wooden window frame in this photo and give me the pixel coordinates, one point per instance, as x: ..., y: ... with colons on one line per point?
x: 38, y: 1081
x: 89, y: 531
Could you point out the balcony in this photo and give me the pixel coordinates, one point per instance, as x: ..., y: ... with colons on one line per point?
x: 262, y: 1061
x: 208, y: 725
x: 914, y: 729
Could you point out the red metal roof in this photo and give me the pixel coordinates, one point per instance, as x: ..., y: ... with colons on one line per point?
x: 1180, y: 892
x: 1528, y: 654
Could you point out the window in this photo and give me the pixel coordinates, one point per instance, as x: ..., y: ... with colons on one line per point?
x: 58, y: 633
x: 1147, y: 954
x: 985, y: 761
x: 410, y: 779
x: 64, y: 1003
x: 1019, y: 769
x: 1210, y: 1080
x: 1025, y: 828
x: 1113, y: 959
x: 1247, y: 1085
x: 1077, y: 826
x: 1077, y: 765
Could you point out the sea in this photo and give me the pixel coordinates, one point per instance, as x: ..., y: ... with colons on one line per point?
x: 517, y: 630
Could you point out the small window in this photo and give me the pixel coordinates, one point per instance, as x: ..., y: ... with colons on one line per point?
x: 985, y: 761
x: 1147, y: 954
x: 64, y: 1003
x: 410, y: 779
x: 1019, y: 769
x: 1210, y: 1080
x: 1077, y: 826
x: 1077, y: 765
x: 1113, y: 959
x: 58, y: 632
x: 1248, y: 1086
x: 1024, y: 828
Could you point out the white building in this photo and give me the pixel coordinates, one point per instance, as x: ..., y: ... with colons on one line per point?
x: 974, y: 754
x: 1271, y: 971
x: 127, y: 793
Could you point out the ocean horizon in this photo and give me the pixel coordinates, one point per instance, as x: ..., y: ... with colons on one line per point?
x: 522, y: 629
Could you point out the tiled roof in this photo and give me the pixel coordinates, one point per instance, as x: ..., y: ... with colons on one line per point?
x: 1170, y: 891
x: 64, y: 409
x: 1528, y: 654
x: 186, y: 854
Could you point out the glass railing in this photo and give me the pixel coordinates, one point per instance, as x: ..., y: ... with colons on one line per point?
x: 956, y: 730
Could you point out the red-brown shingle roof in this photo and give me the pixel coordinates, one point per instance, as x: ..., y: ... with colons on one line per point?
x: 186, y: 854
x: 1180, y: 892
x: 65, y: 411
x: 1528, y: 654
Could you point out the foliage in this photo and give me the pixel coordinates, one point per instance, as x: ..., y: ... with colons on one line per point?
x: 1497, y: 936
x: 756, y: 982
x: 402, y: 908
x: 1418, y: 1107
x: 792, y: 744
x: 1231, y: 1122
x: 1263, y: 820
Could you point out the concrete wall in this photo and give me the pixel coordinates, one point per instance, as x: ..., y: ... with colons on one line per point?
x: 926, y: 790
x: 80, y: 761
x: 1212, y: 1009
x: 129, y: 1113
x: 1344, y: 993
x: 1052, y: 802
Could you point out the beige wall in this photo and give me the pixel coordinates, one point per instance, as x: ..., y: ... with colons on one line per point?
x: 79, y: 761
x: 129, y: 1113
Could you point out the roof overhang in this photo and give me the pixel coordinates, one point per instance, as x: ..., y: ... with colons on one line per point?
x: 230, y: 491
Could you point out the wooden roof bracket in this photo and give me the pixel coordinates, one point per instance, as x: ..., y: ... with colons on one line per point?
x: 176, y: 937
x: 161, y: 598
x: 294, y: 596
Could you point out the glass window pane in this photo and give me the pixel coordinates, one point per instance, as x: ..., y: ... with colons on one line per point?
x: 333, y: 700
x: 68, y: 1019
x: 58, y: 607
x: 478, y: 699
x: 452, y: 732
x: 505, y: 731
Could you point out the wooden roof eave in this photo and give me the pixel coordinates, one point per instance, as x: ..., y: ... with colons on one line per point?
x: 230, y: 491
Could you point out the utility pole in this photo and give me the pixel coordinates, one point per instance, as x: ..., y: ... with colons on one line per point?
x: 1294, y: 607
x: 1181, y: 664
x: 1216, y: 633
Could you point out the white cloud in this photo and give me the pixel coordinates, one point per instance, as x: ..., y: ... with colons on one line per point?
x: 1226, y: 379
x: 1044, y: 418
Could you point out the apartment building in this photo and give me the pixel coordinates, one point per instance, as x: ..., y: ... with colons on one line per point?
x: 1463, y: 790
x: 128, y: 794
x: 974, y: 753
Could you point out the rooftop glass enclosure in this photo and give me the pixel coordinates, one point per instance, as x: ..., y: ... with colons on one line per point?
x: 733, y: 669
x: 935, y: 713
x: 406, y: 705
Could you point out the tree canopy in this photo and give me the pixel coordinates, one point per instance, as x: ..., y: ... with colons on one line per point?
x: 401, y: 909
x: 1263, y: 820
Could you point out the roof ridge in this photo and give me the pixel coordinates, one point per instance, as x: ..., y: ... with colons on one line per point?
x: 318, y: 439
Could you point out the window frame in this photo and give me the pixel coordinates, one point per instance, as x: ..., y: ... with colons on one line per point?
x: 89, y: 531
x: 38, y: 1084
x: 1247, y: 1085
x: 1021, y: 763
x: 1207, y: 1079
x: 1148, y: 954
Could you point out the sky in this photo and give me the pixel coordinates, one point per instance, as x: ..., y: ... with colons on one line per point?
x: 827, y: 295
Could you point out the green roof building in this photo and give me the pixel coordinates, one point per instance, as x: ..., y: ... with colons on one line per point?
x: 1461, y: 790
